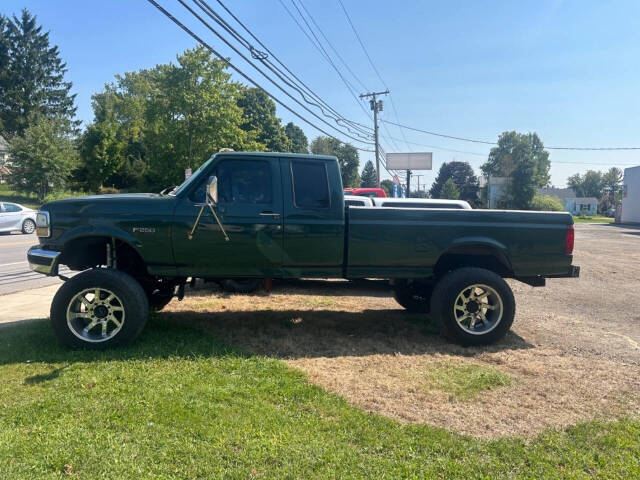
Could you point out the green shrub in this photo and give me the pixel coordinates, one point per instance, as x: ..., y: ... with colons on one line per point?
x: 546, y: 203
x: 60, y: 194
x: 108, y: 190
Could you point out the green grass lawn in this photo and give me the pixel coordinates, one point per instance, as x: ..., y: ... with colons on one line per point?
x: 594, y: 219
x: 179, y: 404
x: 8, y: 194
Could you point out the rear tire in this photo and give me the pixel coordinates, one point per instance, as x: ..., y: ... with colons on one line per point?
x: 99, y: 309
x: 413, y: 295
x: 28, y: 226
x: 473, y: 306
x: 248, y: 285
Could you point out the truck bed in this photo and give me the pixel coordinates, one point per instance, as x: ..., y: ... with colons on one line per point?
x: 396, y: 243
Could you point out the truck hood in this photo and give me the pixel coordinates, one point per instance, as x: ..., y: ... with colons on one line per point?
x: 107, y: 205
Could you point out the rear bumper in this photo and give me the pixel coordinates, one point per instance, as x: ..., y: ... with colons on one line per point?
x: 43, y: 261
x: 574, y: 272
x: 541, y: 281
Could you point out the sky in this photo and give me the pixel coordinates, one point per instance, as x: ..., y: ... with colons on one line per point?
x: 567, y: 70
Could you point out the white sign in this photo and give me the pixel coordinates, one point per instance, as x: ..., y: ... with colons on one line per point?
x: 410, y: 161
x: 187, y: 173
x: 396, y: 180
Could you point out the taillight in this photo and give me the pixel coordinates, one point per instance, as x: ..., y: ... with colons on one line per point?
x: 569, y: 239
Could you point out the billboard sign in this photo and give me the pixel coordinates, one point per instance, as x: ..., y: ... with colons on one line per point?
x: 410, y: 161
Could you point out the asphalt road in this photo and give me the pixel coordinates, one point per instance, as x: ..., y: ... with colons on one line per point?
x: 15, y: 274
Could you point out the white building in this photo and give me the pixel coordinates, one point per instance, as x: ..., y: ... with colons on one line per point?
x: 631, y: 195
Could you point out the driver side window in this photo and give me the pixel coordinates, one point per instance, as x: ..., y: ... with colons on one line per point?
x: 245, y: 182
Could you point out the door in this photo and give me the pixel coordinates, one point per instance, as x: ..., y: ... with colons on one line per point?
x: 10, y: 217
x: 313, y: 218
x: 250, y: 209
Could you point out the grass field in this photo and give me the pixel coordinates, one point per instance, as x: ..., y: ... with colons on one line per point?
x: 594, y: 219
x: 181, y: 404
x: 8, y: 194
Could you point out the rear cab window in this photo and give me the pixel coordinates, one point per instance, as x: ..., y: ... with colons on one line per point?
x: 310, y: 185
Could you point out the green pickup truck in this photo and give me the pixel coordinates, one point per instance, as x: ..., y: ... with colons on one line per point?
x: 273, y: 215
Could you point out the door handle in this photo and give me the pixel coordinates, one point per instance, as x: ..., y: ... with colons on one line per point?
x: 270, y: 214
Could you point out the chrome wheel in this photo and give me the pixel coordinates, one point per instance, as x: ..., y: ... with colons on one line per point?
x: 29, y: 226
x: 95, y: 315
x: 478, y: 309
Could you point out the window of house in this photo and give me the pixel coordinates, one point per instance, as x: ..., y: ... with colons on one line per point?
x: 310, y: 184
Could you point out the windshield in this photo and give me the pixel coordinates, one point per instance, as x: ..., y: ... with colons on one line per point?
x: 188, y: 181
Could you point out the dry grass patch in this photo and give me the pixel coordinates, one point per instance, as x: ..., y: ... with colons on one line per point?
x: 572, y: 355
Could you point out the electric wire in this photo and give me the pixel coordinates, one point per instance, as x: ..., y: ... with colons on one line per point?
x: 323, y: 53
x: 291, y: 75
x: 485, y: 142
x: 240, y: 72
x: 221, y: 37
x: 375, y: 69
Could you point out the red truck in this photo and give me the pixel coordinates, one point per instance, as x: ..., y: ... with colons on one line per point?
x: 366, y: 192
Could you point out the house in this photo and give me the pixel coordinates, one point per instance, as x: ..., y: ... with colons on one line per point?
x: 4, y: 159
x: 631, y: 195
x: 571, y: 203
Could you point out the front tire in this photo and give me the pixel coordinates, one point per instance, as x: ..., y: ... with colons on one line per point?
x: 28, y: 226
x: 99, y: 309
x: 473, y: 306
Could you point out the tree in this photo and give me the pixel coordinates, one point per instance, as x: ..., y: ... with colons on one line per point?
x: 387, y: 186
x: 260, y: 120
x: 449, y: 190
x: 546, y: 203
x: 369, y: 179
x: 591, y: 184
x: 299, y: 142
x: 347, y: 154
x: 523, y: 159
x: 43, y: 157
x: 31, y: 76
x: 152, y: 124
x: 612, y: 181
x: 463, y: 177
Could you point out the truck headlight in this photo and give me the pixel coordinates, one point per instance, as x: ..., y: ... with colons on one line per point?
x: 43, y: 224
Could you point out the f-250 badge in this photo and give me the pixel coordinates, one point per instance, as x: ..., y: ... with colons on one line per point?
x: 144, y: 230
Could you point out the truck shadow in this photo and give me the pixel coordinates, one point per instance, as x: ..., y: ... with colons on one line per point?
x: 283, y: 334
x: 294, y: 334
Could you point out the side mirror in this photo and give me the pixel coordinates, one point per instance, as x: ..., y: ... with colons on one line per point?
x: 212, y: 190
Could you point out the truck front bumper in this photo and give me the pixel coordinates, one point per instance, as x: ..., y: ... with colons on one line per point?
x: 43, y: 261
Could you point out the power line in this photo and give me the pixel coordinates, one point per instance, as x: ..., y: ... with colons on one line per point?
x: 366, y: 52
x: 338, y: 117
x: 323, y: 52
x: 495, y: 143
x: 240, y: 72
x: 331, y: 46
x: 221, y: 37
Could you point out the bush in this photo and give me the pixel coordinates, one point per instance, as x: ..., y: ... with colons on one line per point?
x: 60, y: 194
x: 546, y: 203
x: 108, y: 190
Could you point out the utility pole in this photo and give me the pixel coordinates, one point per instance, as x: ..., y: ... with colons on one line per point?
x: 418, y: 177
x: 376, y: 106
x: 408, y: 183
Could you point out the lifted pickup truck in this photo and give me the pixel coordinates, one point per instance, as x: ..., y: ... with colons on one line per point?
x: 272, y: 215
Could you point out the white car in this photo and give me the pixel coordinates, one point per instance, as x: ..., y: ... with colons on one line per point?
x: 16, y: 217
x: 421, y: 203
x: 357, y: 201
